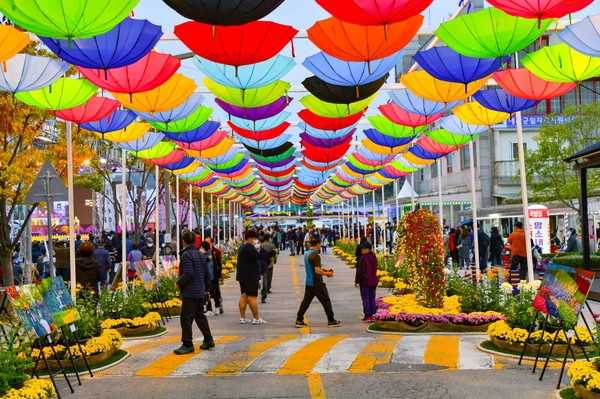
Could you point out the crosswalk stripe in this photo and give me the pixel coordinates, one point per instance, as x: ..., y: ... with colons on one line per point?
x: 239, y: 361
x: 375, y: 353
x: 410, y: 350
x: 201, y: 364
x: 315, y: 386
x: 442, y: 350
x: 167, y: 364
x: 273, y: 359
x: 341, y: 356
x: 470, y: 357
x: 303, y: 361
x: 150, y: 344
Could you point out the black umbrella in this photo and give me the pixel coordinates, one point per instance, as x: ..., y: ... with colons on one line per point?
x: 224, y: 12
x: 273, y: 152
x: 341, y: 94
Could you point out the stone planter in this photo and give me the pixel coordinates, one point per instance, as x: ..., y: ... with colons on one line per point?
x: 583, y: 393
x: 402, y: 327
x: 558, y: 351
x: 134, y: 331
x: 79, y: 363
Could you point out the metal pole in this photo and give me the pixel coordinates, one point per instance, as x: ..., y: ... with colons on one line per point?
x: 383, y: 213
x: 202, y: 227
x: 412, y: 192
x: 212, y: 231
x: 157, y: 218
x: 190, y: 208
x: 397, y: 203
x: 124, y: 219
x: 474, y: 204
x: 357, y: 216
x: 374, y: 223
x: 440, y: 195
x: 218, y: 223
x: 71, y: 198
x: 584, y: 216
x: 365, y: 214
x: 177, y: 218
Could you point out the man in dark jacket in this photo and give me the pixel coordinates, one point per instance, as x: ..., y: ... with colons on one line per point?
x: 192, y: 282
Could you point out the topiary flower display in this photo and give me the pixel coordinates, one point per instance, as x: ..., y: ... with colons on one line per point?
x: 421, y: 249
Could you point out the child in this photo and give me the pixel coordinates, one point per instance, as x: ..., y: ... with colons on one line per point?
x: 367, y: 280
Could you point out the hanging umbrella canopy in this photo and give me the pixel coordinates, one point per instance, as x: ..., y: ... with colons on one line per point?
x: 382, y: 139
x: 424, y: 85
x: 169, y: 95
x: 401, y: 116
x: 475, y: 114
x: 248, y: 98
x: 341, y: 94
x: 331, y: 110
x: 418, y: 105
x: 222, y: 146
x: 170, y: 158
x: 217, y: 12
x: 387, y: 149
x: 272, y: 153
x: 264, y: 144
x: 254, y: 114
x: 428, y: 145
x: 329, y: 123
x: 326, y: 142
x: 490, y: 33
x: 145, y: 142
x: 12, y: 41
x: 117, y: 120
x: 25, y: 72
x: 235, y: 45
x: 374, y: 12
x: 189, y: 106
x: 501, y: 101
x: 562, y: 64
x: 522, y: 83
x: 263, y: 124
x: 95, y: 109
x: 132, y: 132
x: 536, y: 9
x: 123, y: 45
x: 160, y: 150
x: 153, y: 70
x: 211, y: 141
x: 202, y: 132
x: 445, y: 137
x: 246, y: 76
x: 443, y: 63
x: 455, y: 125
x: 351, y: 42
x: 64, y: 93
x: 583, y: 36
x: 389, y: 128
x: 350, y: 73
x: 326, y: 134
x: 268, y: 134
x: 332, y: 154
x: 197, y: 118
x: 67, y: 19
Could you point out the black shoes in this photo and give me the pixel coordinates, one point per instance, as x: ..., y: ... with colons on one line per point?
x: 184, y: 350
x: 207, y: 345
x: 300, y: 324
x: 334, y: 323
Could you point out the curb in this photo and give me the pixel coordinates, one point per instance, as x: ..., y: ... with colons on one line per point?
x: 84, y: 373
x: 160, y: 334
x: 417, y: 334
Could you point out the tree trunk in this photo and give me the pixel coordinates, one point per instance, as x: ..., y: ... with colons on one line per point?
x: 8, y: 278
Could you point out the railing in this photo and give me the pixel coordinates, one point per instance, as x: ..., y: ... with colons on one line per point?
x: 506, y: 171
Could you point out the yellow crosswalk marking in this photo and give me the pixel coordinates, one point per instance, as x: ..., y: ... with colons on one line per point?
x: 153, y: 343
x: 315, y: 386
x: 303, y: 361
x: 442, y: 350
x: 241, y: 360
x: 167, y: 364
x: 374, y: 354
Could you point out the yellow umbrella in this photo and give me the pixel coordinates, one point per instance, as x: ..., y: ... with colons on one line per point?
x: 213, y: 152
x: 188, y: 169
x: 410, y: 157
x: 11, y: 41
x: 167, y: 96
x: 476, y: 114
x: 424, y: 85
x: 132, y: 132
x: 350, y: 172
x: 382, y: 149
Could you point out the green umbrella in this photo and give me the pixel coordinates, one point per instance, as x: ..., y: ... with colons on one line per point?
x: 490, y: 33
x: 443, y: 136
x: 160, y: 150
x: 248, y: 98
x: 363, y: 166
x: 67, y: 19
x: 276, y: 158
x: 239, y: 157
x: 190, y: 122
x: 389, y: 128
x: 402, y: 167
x: 242, y: 183
x: 62, y: 94
x: 202, y: 175
x: 340, y: 182
x: 560, y: 63
x: 331, y: 110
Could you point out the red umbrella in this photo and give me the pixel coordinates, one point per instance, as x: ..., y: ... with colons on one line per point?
x: 323, y: 123
x: 175, y: 156
x: 95, y: 109
x: 320, y: 154
x: 540, y: 9
x: 235, y: 45
x: 403, y: 117
x: 148, y: 73
x: 319, y: 168
x: 374, y: 12
x: 522, y: 83
x: 260, y: 134
x: 276, y: 173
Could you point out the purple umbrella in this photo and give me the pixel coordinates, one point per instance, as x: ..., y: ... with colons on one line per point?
x: 202, y: 132
x: 326, y: 143
x: 274, y: 164
x: 254, y: 114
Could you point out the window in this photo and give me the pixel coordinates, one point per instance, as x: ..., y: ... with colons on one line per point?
x: 434, y: 170
x: 449, y: 162
x: 421, y: 175
x: 515, y: 150
x: 465, y: 156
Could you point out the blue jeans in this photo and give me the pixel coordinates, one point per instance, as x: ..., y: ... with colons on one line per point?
x: 367, y: 295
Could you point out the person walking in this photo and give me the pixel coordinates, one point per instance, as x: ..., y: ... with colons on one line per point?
x: 269, y: 253
x: 366, y: 278
x: 464, y: 248
x: 248, y: 276
x: 496, y: 246
x: 205, y: 251
x: 103, y: 258
x: 87, y: 268
x: 452, y: 246
x: 215, y: 284
x: 300, y: 238
x: 483, y: 242
x: 315, y: 287
x: 291, y: 241
x: 192, y: 282
x: 133, y: 256
x: 572, y: 244
x: 518, y: 251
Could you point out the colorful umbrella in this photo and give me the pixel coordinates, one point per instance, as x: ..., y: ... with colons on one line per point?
x: 351, y: 42
x: 170, y: 158
x: 418, y: 105
x: 67, y: 19
x: 268, y: 134
x: 326, y: 142
x: 190, y: 105
x: 160, y: 150
x: 426, y: 86
x: 217, y: 12
x: 248, y: 98
x: 584, y: 36
x: 123, y: 45
x: 327, y: 123
x: 25, y: 72
x: 374, y: 12
x: 263, y: 124
x: 475, y: 114
x: 117, y: 120
x: 145, y: 142
x: 264, y: 144
x: 272, y: 153
x: 12, y: 41
x: 169, y: 95
x: 326, y: 134
x: 501, y: 101
x: 490, y: 33
x: 64, y: 93
x: 257, y: 113
x: 95, y: 109
x: 390, y: 128
x: 560, y: 63
x: 201, y: 132
x: 331, y: 110
x: 132, y: 132
x: 401, y: 116
x: 385, y: 140
x: 151, y: 71
x: 454, y: 125
x: 536, y: 9
x: 522, y: 83
x: 198, y: 117
x: 445, y: 137
x: 235, y: 45
x: 341, y: 94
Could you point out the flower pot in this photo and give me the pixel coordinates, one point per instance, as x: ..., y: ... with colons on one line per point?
x: 584, y: 393
x: 134, y: 331
x: 79, y: 363
x: 517, y: 347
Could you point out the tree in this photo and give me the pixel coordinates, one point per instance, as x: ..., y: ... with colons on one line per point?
x: 549, y: 177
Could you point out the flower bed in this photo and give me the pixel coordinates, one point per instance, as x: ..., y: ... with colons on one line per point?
x: 136, y: 326
x: 585, y: 379
x: 347, y: 257
x: 228, y: 267
x: 172, y: 306
x: 32, y: 389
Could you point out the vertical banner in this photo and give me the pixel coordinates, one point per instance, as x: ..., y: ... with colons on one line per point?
x: 539, y: 226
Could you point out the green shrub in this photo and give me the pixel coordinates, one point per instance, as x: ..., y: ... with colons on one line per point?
x: 576, y: 260
x: 481, y: 297
x: 89, y: 324
x: 518, y: 309
x: 116, y: 304
x: 13, y: 368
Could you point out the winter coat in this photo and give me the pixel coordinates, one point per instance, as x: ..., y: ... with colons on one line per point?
x: 193, y: 273
x: 88, y: 272
x: 366, y: 272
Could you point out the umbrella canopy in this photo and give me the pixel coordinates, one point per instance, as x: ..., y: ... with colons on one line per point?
x: 64, y: 93
x: 522, y: 83
x: 401, y: 116
x: 25, y: 72
x: 209, y: 142
x: 326, y: 142
x: 190, y: 105
x: 326, y: 134
x: 248, y: 98
x: 390, y: 128
x: 117, y: 120
x: 132, y: 132
x: 235, y: 45
x: 151, y: 71
x: 583, y: 36
x: 254, y: 114
x: 443, y: 63
x: 374, y: 12
x: 268, y: 134
x: 95, y: 109
x: 562, y: 64
x: 66, y: 19
x: 351, y: 42
x: 123, y: 45
x: 381, y: 139
x: 475, y: 114
x: 328, y: 123
x: 217, y: 12
x: 499, y: 100
x: 424, y: 85
x: 264, y: 144
x: 262, y: 124
x: 272, y: 152
x: 145, y: 142
x: 199, y: 116
x: 201, y: 132
x: 331, y: 110
x: 169, y: 95
x: 536, y: 9
x: 445, y: 137
x: 490, y: 33
x: 341, y: 94
x: 418, y: 105
x: 160, y: 150
x: 12, y: 41
x: 454, y: 125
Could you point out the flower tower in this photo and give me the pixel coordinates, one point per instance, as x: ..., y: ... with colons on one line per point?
x: 421, y: 249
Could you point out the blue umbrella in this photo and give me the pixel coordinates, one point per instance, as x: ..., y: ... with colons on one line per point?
x: 325, y: 134
x: 344, y: 73
x: 384, y: 140
x: 261, y: 124
x: 190, y: 105
x: 25, y: 72
x: 202, y: 132
x: 125, y: 44
x: 584, y: 36
x: 454, y: 125
x: 148, y: 140
x: 415, y: 104
x: 185, y: 162
x: 118, y: 120
x: 501, y: 101
x: 419, y: 152
x: 446, y: 64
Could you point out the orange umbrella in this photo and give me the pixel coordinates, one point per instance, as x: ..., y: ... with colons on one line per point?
x: 424, y: 85
x: 11, y: 41
x: 169, y: 95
